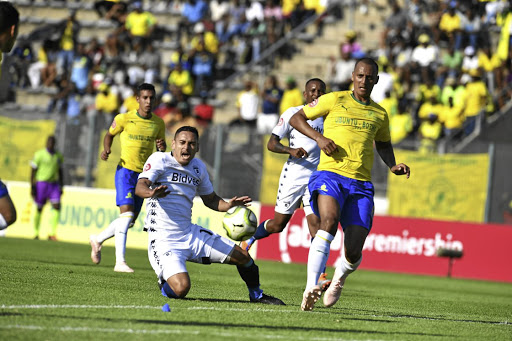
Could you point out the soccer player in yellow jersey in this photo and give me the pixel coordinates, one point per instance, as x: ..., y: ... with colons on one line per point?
x: 9, y: 20
x: 139, y: 130
x: 341, y: 188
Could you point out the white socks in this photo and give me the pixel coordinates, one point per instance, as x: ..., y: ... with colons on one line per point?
x: 317, y: 257
x: 121, y: 227
x: 345, y: 268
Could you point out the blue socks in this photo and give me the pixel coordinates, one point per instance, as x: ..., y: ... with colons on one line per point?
x: 167, y: 291
x: 261, y: 232
x: 251, y: 276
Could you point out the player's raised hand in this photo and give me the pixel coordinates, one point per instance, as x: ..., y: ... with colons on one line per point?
x: 240, y: 201
x: 401, y: 169
x: 298, y: 153
x: 327, y: 145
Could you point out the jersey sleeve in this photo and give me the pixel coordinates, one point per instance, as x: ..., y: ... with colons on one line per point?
x: 117, y: 125
x: 320, y: 106
x: 283, y: 126
x: 205, y: 187
x: 383, y: 134
x: 153, y: 167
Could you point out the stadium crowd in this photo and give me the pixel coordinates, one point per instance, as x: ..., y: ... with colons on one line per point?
x: 440, y: 64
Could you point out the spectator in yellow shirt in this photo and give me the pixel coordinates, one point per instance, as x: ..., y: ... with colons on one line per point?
x: 432, y: 106
x: 430, y: 132
x: 452, y: 118
x: 182, y: 79
x: 140, y: 24
x: 292, y: 96
x: 400, y: 125
x: 450, y: 26
x: 107, y: 103
x: 476, y: 100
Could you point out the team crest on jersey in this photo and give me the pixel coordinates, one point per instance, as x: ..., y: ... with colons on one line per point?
x: 281, y: 121
x: 314, y: 103
x: 147, y: 167
x: 196, y: 170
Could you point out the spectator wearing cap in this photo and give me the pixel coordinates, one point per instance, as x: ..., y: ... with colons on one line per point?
x: 340, y: 72
x: 292, y: 96
x: 450, y: 26
x: 470, y: 60
x: 352, y: 45
x: 424, y: 57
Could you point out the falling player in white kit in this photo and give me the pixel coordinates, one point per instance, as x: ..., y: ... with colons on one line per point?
x: 171, y: 181
x: 293, y: 182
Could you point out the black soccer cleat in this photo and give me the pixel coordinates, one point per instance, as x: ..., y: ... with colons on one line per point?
x: 267, y: 299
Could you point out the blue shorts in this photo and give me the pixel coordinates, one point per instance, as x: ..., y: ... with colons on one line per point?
x: 355, y: 197
x: 3, y: 190
x: 126, y: 180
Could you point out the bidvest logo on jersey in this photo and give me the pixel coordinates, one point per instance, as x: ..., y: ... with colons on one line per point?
x: 184, y: 179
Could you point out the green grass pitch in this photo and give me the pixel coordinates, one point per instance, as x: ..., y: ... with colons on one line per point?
x: 52, y: 291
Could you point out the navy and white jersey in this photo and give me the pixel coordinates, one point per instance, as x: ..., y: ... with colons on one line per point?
x: 296, y: 139
x: 174, y: 211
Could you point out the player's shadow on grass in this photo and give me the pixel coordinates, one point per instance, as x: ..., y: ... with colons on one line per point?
x: 216, y: 300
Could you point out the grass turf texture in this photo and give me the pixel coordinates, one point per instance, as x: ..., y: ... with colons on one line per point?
x: 52, y: 291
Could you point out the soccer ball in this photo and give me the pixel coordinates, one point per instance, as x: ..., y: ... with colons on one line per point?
x: 240, y: 223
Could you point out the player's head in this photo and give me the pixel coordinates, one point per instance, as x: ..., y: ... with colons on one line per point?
x: 315, y: 87
x: 146, y: 96
x: 50, y: 143
x: 9, y: 20
x: 365, y: 76
x: 185, y: 144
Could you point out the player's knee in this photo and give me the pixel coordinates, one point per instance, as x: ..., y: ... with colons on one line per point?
x: 180, y: 289
x: 353, y: 256
x: 239, y: 256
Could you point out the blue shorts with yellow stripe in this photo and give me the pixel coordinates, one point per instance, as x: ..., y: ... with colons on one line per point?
x: 126, y: 180
x: 355, y: 197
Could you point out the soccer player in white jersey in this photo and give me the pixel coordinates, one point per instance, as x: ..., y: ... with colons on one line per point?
x: 293, y: 181
x: 171, y: 181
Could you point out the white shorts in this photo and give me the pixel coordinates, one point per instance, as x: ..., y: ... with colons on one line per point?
x: 168, y: 255
x: 289, y: 196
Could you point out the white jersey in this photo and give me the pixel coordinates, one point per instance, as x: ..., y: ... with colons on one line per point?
x: 293, y: 182
x: 296, y: 139
x: 174, y: 211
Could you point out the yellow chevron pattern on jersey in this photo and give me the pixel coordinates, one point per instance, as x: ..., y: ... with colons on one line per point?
x: 137, y: 136
x: 353, y: 126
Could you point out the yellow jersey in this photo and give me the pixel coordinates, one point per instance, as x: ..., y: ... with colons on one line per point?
x: 137, y: 137
x: 353, y: 126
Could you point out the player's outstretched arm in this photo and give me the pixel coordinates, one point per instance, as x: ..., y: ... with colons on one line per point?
x: 144, y: 190
x: 216, y: 203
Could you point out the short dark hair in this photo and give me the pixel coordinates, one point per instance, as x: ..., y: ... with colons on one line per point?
x: 368, y: 61
x: 187, y: 128
x: 145, y: 86
x: 9, y: 15
x: 322, y: 83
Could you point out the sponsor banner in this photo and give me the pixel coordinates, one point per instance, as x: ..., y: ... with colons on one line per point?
x: 87, y: 211
x: 444, y: 187
x: 20, y: 140
x: 272, y: 166
x: 405, y: 245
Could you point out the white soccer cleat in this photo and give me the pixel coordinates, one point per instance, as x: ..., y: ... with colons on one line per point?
x: 310, y: 297
x: 122, y: 267
x: 332, y: 294
x: 95, y: 249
